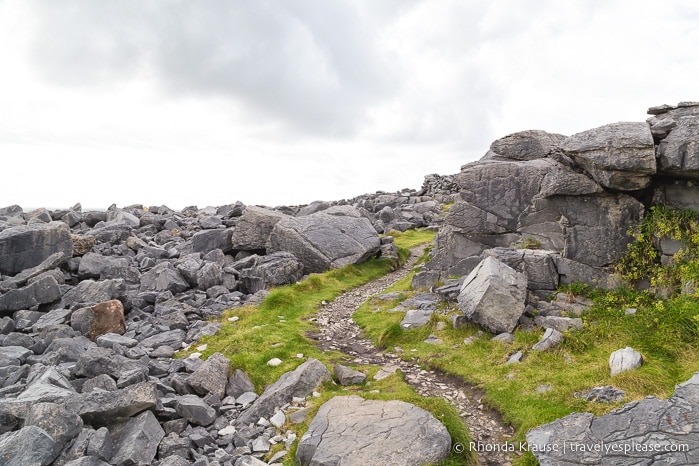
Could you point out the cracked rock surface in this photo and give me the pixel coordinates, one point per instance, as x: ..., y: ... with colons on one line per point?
x: 646, y: 432
x: 346, y: 429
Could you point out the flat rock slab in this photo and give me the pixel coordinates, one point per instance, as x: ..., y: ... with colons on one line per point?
x: 650, y: 431
x: 350, y: 430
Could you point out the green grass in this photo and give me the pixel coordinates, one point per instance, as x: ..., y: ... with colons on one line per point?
x: 665, y: 331
x: 279, y: 326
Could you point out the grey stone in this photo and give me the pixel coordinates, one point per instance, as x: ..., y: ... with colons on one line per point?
x: 86, y: 461
x: 352, y: 430
x: 607, y: 394
x: 208, y: 240
x: 100, y: 408
x: 138, y: 442
x: 598, y: 226
x: 7, y: 325
x: 239, y: 383
x: 101, y: 445
x: 561, y: 324
x: 252, y: 231
x: 52, y: 319
x: 679, y: 152
x: 275, y: 269
x: 175, y: 445
x: 210, y: 274
x: 43, y: 291
x: 416, y: 318
x: 647, y: 429
x: 211, y: 377
x: 30, y: 445
x: 619, y: 156
x: 15, y: 352
x: 504, y: 338
x: 550, y: 339
x: 62, y: 425
x: 515, y: 358
x: 195, y: 410
x: 108, y: 340
x: 424, y: 279
x: 101, y: 382
x: 298, y: 383
x: 210, y: 221
x: 50, y: 263
x: 92, y: 292
x: 246, y: 398
x: 50, y: 386
x: 163, y: 277
x: 93, y: 265
x: 347, y: 376
x: 322, y: 241
x: 493, y: 296
x: 171, y: 338
x: 525, y: 145
x: 623, y: 360
x: 26, y: 246
x: 96, y: 361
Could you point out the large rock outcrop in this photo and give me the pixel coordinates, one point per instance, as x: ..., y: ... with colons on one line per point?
x: 26, y: 246
x: 352, y: 430
x: 323, y: 241
x: 650, y: 431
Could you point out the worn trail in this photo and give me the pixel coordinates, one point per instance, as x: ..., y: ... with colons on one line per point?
x: 338, y: 331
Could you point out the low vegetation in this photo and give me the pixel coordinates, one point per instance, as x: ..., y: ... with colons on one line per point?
x: 542, y: 388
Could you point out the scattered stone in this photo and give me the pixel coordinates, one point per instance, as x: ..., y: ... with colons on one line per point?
x: 297, y: 383
x: 274, y: 362
x: 433, y: 340
x: 239, y: 383
x: 607, y: 394
x: 195, y: 410
x: 26, y: 246
x: 139, y: 440
x: 504, y: 338
x: 623, y: 360
x: 515, y: 358
x: 416, y: 318
x: 386, y: 371
x: 550, y: 339
x: 347, y: 376
x: 30, y: 445
x: 211, y: 377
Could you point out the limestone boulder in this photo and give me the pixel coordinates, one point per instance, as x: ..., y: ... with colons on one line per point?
x: 619, y: 156
x: 624, y: 360
x: 211, y: 377
x: 525, y: 145
x: 26, y: 246
x: 679, y: 152
x: 639, y: 433
x: 323, y: 241
x: 352, y: 430
x: 298, y: 383
x: 252, y: 231
x: 44, y: 290
x: 138, y: 440
x: 493, y: 296
x: 275, y: 269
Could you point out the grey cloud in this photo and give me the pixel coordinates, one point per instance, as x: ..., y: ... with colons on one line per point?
x: 312, y: 64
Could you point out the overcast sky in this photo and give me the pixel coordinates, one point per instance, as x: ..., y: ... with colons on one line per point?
x: 206, y: 102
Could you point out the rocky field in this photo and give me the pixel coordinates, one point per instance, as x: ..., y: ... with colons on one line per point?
x: 94, y: 305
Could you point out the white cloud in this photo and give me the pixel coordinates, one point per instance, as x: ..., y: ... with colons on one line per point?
x: 288, y: 101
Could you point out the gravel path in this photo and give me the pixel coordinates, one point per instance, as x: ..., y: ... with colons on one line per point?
x: 338, y: 331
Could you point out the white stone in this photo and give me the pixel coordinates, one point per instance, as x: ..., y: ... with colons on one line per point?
x: 228, y: 430
x: 623, y: 360
x: 274, y: 362
x: 278, y: 419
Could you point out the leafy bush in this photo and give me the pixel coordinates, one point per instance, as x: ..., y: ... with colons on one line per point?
x: 642, y: 260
